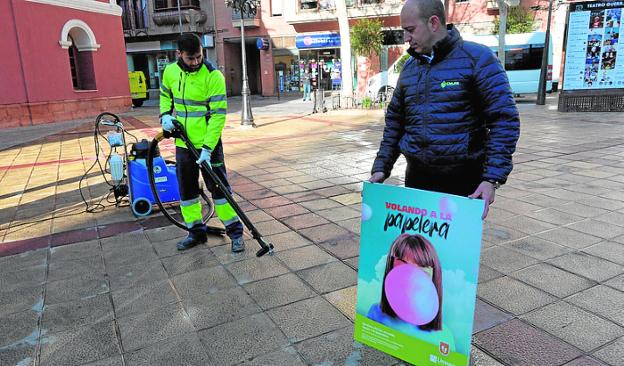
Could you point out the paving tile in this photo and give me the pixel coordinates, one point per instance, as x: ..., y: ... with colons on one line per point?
x: 517, y: 343
x: 513, y: 296
x: 574, y: 325
x: 203, y: 281
x: 271, y: 227
x: 320, y: 204
x: 537, y: 248
x: 588, y: 266
x: 28, y: 260
x: 552, y: 279
x: 278, y: 291
x: 286, y: 356
x: 352, y: 262
x: 608, y: 250
x: 307, y: 318
x: 554, y: 216
x: 500, y: 234
x: 570, y: 238
x: 526, y: 224
x: 22, y: 356
x: 348, y: 198
x: 75, y: 288
x: 59, y: 270
x: 601, y: 300
x: 58, y: 317
x: 17, y: 328
x: 281, y: 212
x: 339, y: 213
x: 616, y: 282
x: 131, y: 255
x: 164, y: 233
x: 136, y: 274
x: 597, y: 228
x: 255, y: 269
x: 258, y: 216
x: 20, y: 298
x: 487, y: 316
x: 329, y: 277
x: 585, y: 361
x: 209, y: 309
x: 339, y: 348
x: 185, y: 350
x: 73, y: 251
x: 271, y: 202
x: 323, y: 233
x: 487, y: 274
x: 613, y: 353
x: 304, y: 257
x: 33, y: 276
x: 344, y: 300
x: 343, y: 247
x: 147, y: 328
x: 81, y: 345
x: 143, y: 297
x: 288, y: 240
x: 190, y: 261
x: 304, y: 221
x: 242, y: 339
x: 505, y: 260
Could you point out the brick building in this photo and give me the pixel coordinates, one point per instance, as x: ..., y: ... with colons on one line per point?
x: 64, y: 59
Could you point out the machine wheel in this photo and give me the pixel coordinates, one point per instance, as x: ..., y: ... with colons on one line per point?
x: 141, y: 207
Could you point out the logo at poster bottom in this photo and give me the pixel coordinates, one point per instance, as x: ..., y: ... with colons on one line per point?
x: 444, y: 348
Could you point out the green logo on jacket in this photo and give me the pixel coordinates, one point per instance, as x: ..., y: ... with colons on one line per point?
x: 445, y: 83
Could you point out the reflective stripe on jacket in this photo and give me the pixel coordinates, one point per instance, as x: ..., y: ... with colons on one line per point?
x: 199, y: 100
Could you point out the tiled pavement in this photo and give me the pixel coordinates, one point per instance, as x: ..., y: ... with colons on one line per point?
x: 108, y: 289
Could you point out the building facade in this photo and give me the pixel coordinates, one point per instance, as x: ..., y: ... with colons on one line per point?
x: 151, y: 28
x: 64, y: 60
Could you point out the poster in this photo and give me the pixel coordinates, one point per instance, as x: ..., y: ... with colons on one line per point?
x: 418, y: 272
x: 594, y: 53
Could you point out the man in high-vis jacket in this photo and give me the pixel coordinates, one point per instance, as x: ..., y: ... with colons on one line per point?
x: 195, y: 90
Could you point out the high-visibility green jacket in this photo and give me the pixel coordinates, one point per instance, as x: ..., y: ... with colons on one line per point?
x: 199, y: 101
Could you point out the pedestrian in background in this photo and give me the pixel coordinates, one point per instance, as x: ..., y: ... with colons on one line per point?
x: 306, y: 80
x: 452, y: 114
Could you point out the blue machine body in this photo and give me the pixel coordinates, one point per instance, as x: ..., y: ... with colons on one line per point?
x: 141, y: 196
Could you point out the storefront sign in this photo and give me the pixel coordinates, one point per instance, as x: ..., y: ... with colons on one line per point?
x: 418, y: 270
x: 318, y: 40
x: 594, y: 51
x: 262, y: 43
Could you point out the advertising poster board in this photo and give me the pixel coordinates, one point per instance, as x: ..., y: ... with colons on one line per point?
x: 418, y: 272
x: 594, y: 53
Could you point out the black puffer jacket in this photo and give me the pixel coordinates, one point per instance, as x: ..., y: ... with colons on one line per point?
x: 454, y: 112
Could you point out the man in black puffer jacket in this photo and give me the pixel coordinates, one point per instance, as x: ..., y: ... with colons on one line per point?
x: 452, y: 114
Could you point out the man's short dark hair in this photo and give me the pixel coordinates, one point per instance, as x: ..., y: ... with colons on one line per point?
x: 428, y: 8
x: 189, y: 43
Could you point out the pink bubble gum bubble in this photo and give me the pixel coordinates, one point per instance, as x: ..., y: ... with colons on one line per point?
x: 411, y: 294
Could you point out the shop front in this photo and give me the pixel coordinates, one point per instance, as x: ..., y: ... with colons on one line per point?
x: 320, y: 54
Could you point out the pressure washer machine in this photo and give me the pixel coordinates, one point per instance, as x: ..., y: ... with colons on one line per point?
x: 147, y: 179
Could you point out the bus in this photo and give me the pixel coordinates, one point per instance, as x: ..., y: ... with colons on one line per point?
x: 523, y: 62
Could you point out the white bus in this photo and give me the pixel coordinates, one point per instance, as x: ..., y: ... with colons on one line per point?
x: 523, y: 62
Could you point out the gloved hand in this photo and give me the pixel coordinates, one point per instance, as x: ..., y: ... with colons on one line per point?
x: 204, y: 156
x: 167, y: 122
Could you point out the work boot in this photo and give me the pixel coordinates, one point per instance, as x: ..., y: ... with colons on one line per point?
x: 238, y: 245
x: 192, y: 240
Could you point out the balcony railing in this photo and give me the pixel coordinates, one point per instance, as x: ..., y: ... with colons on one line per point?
x: 250, y: 20
x: 134, y: 15
x: 306, y: 5
x: 310, y: 11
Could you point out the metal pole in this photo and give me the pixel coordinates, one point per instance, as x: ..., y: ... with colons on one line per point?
x: 541, y: 90
x: 179, y: 16
x: 247, y: 119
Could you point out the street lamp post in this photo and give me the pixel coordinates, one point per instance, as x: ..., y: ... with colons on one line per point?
x: 247, y: 119
x: 179, y: 16
x: 541, y: 91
